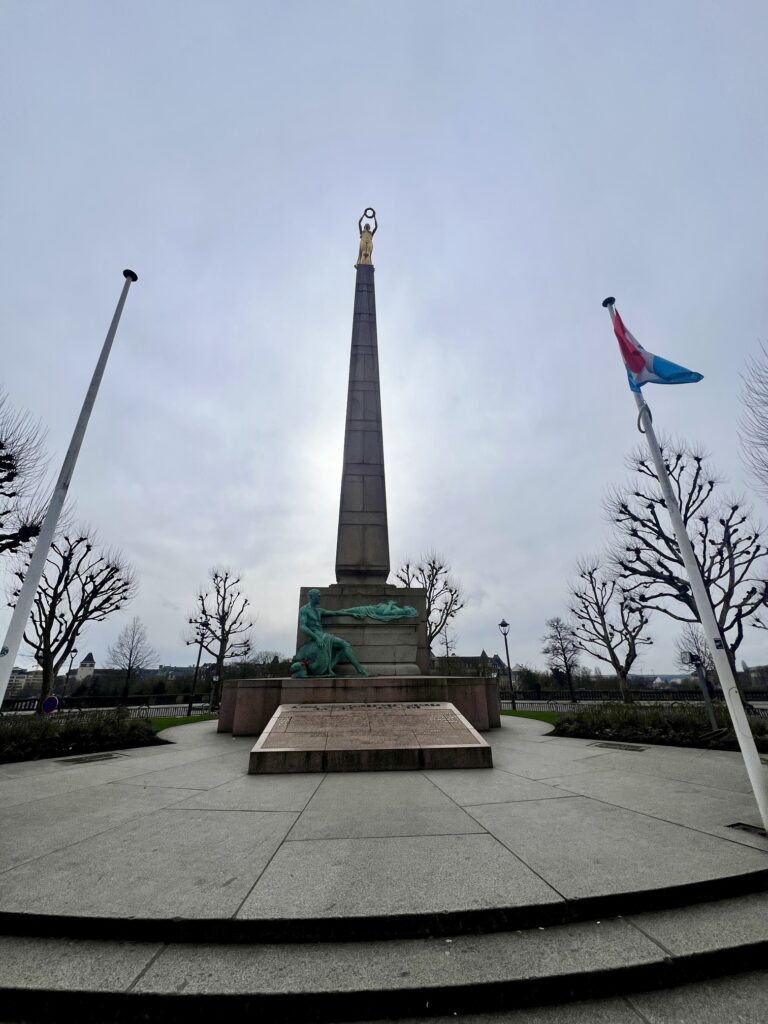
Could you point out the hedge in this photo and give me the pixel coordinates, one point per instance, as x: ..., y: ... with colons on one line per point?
x: 30, y: 737
x: 682, y: 726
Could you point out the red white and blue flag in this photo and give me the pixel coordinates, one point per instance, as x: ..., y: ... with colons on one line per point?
x: 644, y: 367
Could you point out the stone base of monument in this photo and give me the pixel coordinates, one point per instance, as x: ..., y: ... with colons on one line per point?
x: 368, y: 738
x: 247, y: 705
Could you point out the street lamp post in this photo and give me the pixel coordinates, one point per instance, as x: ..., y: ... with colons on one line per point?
x: 504, y: 627
x: 72, y: 656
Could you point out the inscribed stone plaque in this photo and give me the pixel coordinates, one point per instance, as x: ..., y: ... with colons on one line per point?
x: 368, y: 737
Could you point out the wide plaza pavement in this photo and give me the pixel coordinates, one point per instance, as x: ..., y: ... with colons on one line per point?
x: 177, y: 844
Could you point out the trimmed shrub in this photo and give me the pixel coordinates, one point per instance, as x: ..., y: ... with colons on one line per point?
x: 673, y: 725
x: 30, y: 737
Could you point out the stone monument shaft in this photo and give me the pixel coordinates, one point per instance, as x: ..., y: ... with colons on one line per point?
x: 362, y: 547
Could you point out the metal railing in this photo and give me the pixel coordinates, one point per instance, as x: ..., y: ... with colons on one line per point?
x: 537, y: 705
x: 138, y: 706
x: 650, y: 696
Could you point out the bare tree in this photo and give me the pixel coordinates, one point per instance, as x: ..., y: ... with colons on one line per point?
x: 727, y: 544
x: 131, y: 651
x: 448, y: 642
x: 80, y: 585
x: 609, y: 624
x: 22, y: 467
x: 445, y: 598
x: 753, y: 425
x: 219, y: 619
x: 562, y: 650
x: 692, y: 640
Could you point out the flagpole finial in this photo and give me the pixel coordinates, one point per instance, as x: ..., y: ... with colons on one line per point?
x: 130, y: 275
x: 610, y: 301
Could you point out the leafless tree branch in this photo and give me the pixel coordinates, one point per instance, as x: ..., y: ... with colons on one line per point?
x: 220, y: 618
x: 445, y: 597
x: 131, y: 651
x: 753, y: 424
x: 728, y: 545
x: 609, y: 622
x: 562, y: 650
x: 80, y: 585
x: 22, y: 471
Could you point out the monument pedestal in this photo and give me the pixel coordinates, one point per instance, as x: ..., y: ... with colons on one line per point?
x: 368, y: 738
x: 248, y: 704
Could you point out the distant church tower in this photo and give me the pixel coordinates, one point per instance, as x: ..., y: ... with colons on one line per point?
x: 85, y: 668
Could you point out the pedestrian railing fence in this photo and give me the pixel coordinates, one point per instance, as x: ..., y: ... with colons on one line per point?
x: 650, y: 696
x: 196, y: 704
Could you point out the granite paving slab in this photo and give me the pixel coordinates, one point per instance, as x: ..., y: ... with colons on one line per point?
x: 437, y: 964
x: 603, y: 1011
x: 494, y: 786
x: 584, y: 847
x: 72, y: 964
x: 198, y: 775
x: 408, y: 875
x: 35, y: 830
x: 380, y: 804
x: 742, y: 999
x: 172, y: 863
x: 539, y: 763
x: 708, y: 926
x: 258, y: 793
x: 715, y: 769
x: 700, y: 807
x: 24, y: 790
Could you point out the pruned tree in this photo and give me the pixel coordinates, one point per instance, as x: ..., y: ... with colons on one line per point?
x: 220, y: 623
x: 22, y: 467
x: 692, y: 640
x: 727, y: 544
x: 81, y: 584
x: 445, y: 597
x: 562, y: 650
x: 610, y: 624
x: 448, y: 642
x: 753, y: 424
x: 131, y: 651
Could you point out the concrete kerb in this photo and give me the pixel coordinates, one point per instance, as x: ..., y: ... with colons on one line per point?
x: 379, y: 926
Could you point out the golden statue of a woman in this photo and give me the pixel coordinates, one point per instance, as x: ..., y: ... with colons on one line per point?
x: 366, y: 237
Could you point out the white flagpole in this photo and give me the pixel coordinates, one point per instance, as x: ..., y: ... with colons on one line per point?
x: 15, y: 633
x: 758, y: 776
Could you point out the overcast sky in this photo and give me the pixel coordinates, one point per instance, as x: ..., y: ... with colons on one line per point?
x: 525, y: 159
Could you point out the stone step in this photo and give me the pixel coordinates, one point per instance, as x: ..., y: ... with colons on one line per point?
x: 293, y: 929
x: 43, y: 978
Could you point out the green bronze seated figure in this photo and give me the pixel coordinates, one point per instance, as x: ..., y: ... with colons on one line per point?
x: 323, y: 651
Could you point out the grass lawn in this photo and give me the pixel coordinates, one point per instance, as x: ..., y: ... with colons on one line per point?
x: 158, y: 724
x: 541, y: 716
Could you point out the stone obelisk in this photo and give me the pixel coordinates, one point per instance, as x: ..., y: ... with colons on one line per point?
x: 361, y: 626
x: 362, y: 546
x: 399, y: 647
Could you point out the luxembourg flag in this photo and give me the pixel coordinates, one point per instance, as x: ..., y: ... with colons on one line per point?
x: 644, y: 367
